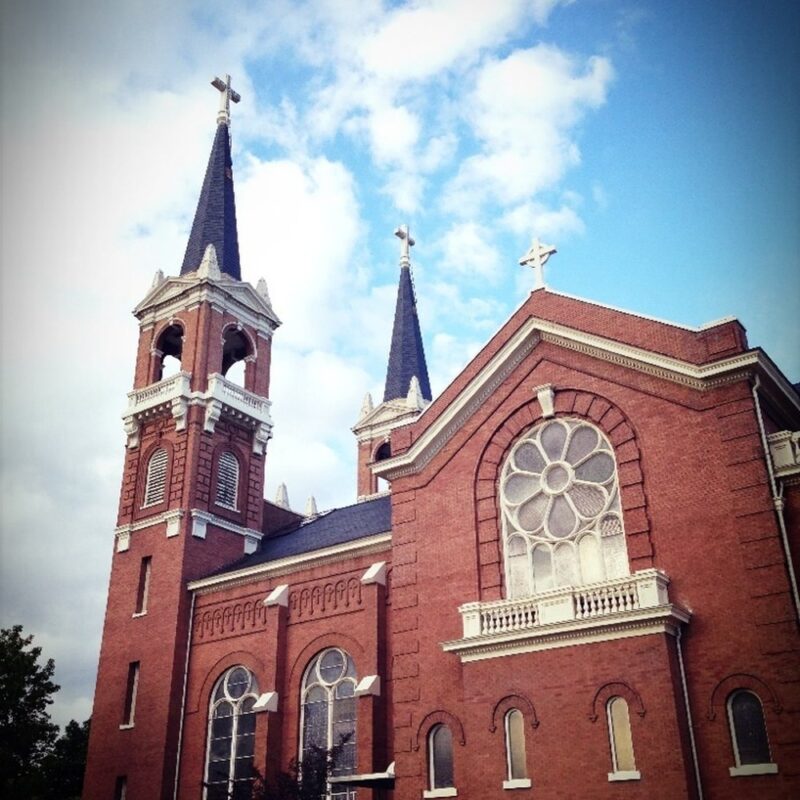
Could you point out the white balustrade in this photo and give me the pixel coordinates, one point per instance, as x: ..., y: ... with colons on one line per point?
x: 785, y: 449
x: 644, y: 589
x: 157, y: 393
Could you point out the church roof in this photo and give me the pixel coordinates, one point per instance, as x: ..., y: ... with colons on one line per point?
x: 215, y: 218
x: 330, y: 528
x: 406, y: 356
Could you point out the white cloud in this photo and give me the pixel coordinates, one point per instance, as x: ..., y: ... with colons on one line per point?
x: 535, y: 219
x: 467, y: 251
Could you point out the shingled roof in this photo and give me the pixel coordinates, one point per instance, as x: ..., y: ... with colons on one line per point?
x: 338, y: 526
x: 215, y: 218
x: 406, y: 356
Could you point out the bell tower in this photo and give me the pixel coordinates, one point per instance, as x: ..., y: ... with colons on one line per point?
x: 192, y: 487
x: 408, y: 389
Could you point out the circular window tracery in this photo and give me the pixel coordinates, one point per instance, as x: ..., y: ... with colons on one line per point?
x: 562, y: 517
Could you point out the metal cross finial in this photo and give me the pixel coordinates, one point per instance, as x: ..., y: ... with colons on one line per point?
x: 226, y: 94
x: 536, y: 257
x: 406, y: 243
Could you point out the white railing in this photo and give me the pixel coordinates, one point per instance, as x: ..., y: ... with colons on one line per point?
x: 237, y: 398
x: 157, y: 393
x: 784, y: 447
x: 644, y: 589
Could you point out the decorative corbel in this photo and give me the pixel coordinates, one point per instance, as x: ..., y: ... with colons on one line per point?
x: 213, y: 411
x: 131, y: 426
x: 261, y: 435
x: 180, y: 407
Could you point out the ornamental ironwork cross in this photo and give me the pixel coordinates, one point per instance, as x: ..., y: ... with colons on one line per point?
x: 406, y: 243
x: 536, y: 257
x: 226, y: 94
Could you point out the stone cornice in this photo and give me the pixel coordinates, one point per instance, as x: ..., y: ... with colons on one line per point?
x: 701, y: 377
x: 282, y: 566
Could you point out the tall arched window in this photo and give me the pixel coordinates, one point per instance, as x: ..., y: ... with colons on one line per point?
x: 562, y: 518
x: 515, y: 746
x: 440, y: 757
x: 623, y: 761
x: 231, y: 736
x: 155, y: 486
x: 329, y: 710
x: 748, y: 730
x: 227, y: 480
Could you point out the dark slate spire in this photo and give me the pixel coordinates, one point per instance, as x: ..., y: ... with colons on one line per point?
x: 406, y: 356
x: 215, y: 218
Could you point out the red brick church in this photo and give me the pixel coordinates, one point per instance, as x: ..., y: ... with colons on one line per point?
x: 570, y: 575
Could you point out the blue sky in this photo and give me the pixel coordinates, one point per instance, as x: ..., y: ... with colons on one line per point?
x: 657, y: 145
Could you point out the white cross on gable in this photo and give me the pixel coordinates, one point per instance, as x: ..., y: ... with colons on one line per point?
x: 406, y: 242
x: 226, y: 94
x: 536, y: 257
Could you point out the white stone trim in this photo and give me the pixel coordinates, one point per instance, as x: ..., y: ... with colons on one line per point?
x: 173, y: 518
x: 753, y: 769
x: 375, y: 574
x: 517, y: 783
x: 625, y: 775
x: 450, y: 791
x: 533, y: 330
x: 784, y: 448
x: 202, y: 519
x: 545, y: 395
x: 369, y: 685
x: 279, y: 596
x: 325, y: 555
x: 266, y: 702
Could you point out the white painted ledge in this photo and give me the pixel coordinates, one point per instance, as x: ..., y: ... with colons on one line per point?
x: 753, y: 769
x: 450, y: 791
x: 126, y: 726
x: 625, y: 775
x: 517, y: 783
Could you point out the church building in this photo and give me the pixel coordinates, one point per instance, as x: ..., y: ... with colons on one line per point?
x: 572, y: 574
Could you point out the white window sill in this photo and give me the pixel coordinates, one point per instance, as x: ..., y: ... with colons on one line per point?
x: 517, y: 783
x: 450, y: 791
x: 137, y: 614
x: 126, y: 726
x: 753, y: 769
x: 625, y: 775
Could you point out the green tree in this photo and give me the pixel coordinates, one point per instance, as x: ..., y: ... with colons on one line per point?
x: 26, y: 733
x: 63, y: 767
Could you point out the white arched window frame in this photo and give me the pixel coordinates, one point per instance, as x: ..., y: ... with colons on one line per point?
x: 516, y: 767
x: 227, y: 480
x: 231, y: 737
x: 751, y: 750
x: 328, y: 712
x: 155, y: 485
x: 623, y: 761
x: 561, y: 511
x: 440, y: 762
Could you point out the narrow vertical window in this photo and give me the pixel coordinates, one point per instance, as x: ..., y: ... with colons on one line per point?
x: 156, y: 481
x: 515, y: 750
x: 440, y: 760
x: 227, y: 480
x: 121, y: 788
x: 231, y: 736
x: 619, y: 732
x: 144, y: 586
x: 130, y: 695
x: 749, y: 735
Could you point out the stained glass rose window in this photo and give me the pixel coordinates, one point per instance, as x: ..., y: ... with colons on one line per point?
x: 562, y: 520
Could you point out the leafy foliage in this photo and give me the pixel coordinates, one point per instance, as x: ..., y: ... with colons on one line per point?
x: 26, y: 733
x: 64, y: 765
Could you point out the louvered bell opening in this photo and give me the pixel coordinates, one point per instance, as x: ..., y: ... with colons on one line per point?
x: 227, y: 480
x: 156, y: 478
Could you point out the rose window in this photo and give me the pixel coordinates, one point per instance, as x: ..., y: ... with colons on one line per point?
x: 562, y: 520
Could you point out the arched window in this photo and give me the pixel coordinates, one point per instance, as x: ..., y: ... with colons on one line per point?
x: 235, y: 348
x: 231, y: 736
x: 619, y: 733
x: 329, y: 710
x: 156, y: 482
x: 562, y: 518
x: 169, y: 350
x: 515, y: 745
x: 227, y: 480
x: 440, y: 757
x: 748, y: 730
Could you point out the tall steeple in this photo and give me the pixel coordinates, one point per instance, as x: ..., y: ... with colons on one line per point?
x: 406, y: 355
x: 215, y: 218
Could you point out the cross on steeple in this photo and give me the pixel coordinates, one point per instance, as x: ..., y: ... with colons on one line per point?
x: 406, y: 243
x: 536, y: 257
x: 226, y: 94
